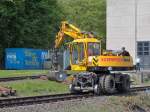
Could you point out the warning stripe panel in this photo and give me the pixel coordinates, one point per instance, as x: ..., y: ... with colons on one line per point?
x: 95, y: 61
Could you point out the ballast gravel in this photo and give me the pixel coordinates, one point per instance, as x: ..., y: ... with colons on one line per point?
x: 120, y: 103
x: 62, y: 106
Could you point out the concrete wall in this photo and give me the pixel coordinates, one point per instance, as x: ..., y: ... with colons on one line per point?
x: 143, y: 20
x: 124, y: 19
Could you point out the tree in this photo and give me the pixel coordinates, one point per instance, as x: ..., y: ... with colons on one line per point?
x: 34, y: 23
x: 35, y: 20
x: 27, y: 23
x: 89, y: 15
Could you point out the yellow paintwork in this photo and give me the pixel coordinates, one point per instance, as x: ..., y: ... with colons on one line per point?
x: 105, y: 61
x: 101, y: 61
x: 115, y: 61
x: 88, y: 61
x: 78, y: 67
x: 69, y: 30
x: 112, y: 61
x: 86, y: 40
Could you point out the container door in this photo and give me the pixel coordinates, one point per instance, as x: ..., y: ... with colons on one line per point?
x: 14, y: 58
x: 32, y: 59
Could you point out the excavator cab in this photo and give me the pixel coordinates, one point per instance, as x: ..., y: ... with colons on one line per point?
x: 81, y: 50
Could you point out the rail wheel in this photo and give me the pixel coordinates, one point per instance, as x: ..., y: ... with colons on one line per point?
x: 109, y: 84
x: 73, y: 90
x: 97, y: 89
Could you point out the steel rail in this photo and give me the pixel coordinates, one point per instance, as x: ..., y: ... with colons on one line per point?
x: 10, y: 102
x: 40, y: 99
x: 142, y: 88
x: 20, y: 78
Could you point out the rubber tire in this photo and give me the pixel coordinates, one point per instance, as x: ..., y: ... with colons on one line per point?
x: 109, y: 84
x: 125, y: 85
x: 101, y: 83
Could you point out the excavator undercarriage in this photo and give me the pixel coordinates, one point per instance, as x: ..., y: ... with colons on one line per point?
x: 101, y: 83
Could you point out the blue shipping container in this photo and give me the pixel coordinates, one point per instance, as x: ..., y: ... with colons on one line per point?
x: 24, y: 58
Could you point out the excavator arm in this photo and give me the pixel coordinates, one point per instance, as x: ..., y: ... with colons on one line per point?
x: 69, y: 30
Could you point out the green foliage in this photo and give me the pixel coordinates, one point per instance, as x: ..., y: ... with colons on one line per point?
x: 88, y: 15
x: 34, y: 23
x: 26, y: 23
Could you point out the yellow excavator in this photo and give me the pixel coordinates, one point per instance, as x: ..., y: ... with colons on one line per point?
x: 93, y: 65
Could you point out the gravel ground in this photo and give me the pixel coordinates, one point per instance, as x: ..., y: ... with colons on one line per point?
x: 127, y: 103
x: 63, y: 106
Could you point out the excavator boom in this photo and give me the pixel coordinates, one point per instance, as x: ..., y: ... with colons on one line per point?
x: 69, y: 30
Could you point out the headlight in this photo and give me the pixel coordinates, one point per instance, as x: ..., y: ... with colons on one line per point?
x: 110, y: 68
x: 90, y: 59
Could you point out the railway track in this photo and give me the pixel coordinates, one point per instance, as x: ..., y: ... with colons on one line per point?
x: 10, y: 102
x: 20, y: 78
x: 40, y: 99
x: 142, y: 88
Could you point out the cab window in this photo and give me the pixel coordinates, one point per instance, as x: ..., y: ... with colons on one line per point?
x: 77, y: 53
x: 93, y: 49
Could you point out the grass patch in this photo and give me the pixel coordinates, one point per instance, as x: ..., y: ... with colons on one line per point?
x: 36, y: 87
x: 14, y: 73
x: 147, y: 81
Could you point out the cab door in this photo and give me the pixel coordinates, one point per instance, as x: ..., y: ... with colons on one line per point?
x: 78, y: 56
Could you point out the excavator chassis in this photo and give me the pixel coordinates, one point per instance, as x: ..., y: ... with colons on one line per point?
x: 108, y: 83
